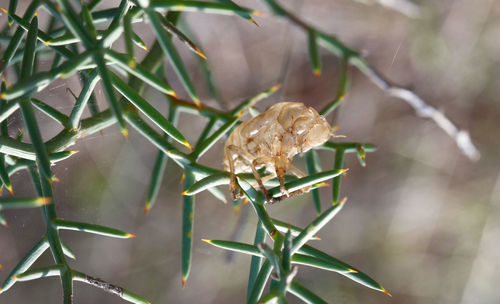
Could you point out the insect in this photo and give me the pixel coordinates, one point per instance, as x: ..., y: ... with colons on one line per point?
x: 272, y: 139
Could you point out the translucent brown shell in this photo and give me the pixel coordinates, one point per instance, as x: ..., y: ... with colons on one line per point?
x: 272, y: 139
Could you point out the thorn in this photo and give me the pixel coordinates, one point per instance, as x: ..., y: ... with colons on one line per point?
x: 241, y: 113
x: 183, y: 282
x: 317, y: 237
x: 206, y: 241
x: 257, y: 13
x: 132, y: 64
x: 253, y: 21
x: 200, y: 53
x: 344, y: 170
x: 46, y: 42
x: 317, y: 72
x: 353, y: 270
x: 185, y: 192
x: 276, y: 87
x: 342, y: 201
x: 188, y: 145
x: 55, y: 178
x: 4, y: 10
x: 245, y: 201
x: 73, y: 152
x: 10, y: 190
x: 147, y: 207
x: 130, y: 235
x: 44, y: 200
x: 386, y: 292
x: 173, y: 94
x: 197, y: 102
x: 125, y: 133
x: 14, y: 277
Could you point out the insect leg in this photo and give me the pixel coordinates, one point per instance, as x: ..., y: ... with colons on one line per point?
x: 255, y: 162
x: 243, y: 156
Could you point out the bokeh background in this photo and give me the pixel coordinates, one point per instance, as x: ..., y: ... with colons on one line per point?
x: 421, y: 218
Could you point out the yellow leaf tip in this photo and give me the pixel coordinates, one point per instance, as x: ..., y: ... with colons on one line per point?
x: 4, y: 10
x: 125, y: 133
x: 46, y: 42
x: 73, y: 152
x: 185, y: 192
x: 189, y: 146
x: 11, y: 190
x: 183, y: 282
x: 130, y: 235
x: 386, y: 292
x: 44, y: 200
x: 353, y: 270
x: 147, y: 208
x: 257, y: 13
x: 206, y: 241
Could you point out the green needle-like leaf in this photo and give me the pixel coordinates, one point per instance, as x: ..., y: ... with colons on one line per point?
x: 338, y: 165
x: 4, y: 175
x: 307, y: 181
x: 83, y: 98
x: 235, y: 246
x: 342, y: 91
x: 89, y: 22
x: 313, y: 166
x: 25, y: 263
x: 260, y: 235
x: 222, y: 178
x: 43, y: 272
x: 357, y: 276
x: 320, y: 263
x: 70, y: 19
x: 168, y: 48
x: 12, y: 8
x: 91, y: 228
x: 284, y: 227
x: 136, y: 69
x: 50, y: 111
x: 304, y: 294
x: 148, y: 110
x: 199, y: 6
x: 18, y: 202
x: 260, y: 282
x: 16, y: 39
x: 315, y: 226
x: 128, y: 35
x: 314, y: 56
x: 159, y: 167
x: 110, y: 94
x: 187, y: 228
x: 348, y: 147
x: 271, y: 256
x: 177, y: 33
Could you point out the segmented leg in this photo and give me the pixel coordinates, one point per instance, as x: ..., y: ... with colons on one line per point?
x: 244, y: 156
x: 255, y: 162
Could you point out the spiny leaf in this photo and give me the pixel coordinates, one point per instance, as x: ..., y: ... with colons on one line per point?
x: 148, y: 110
x: 18, y: 202
x: 187, y: 228
x: 91, y: 228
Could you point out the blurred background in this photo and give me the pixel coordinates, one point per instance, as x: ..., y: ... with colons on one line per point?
x: 421, y: 218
